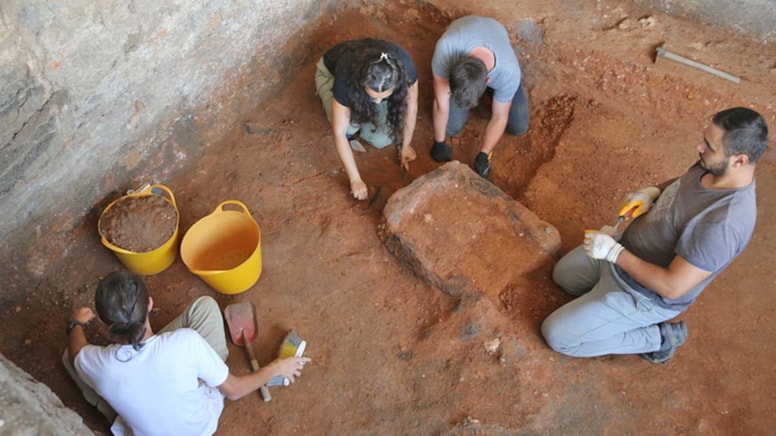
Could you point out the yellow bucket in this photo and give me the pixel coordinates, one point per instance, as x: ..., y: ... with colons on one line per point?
x: 224, y: 249
x: 158, y: 259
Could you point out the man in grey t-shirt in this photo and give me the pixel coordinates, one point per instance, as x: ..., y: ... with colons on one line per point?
x: 628, y: 290
x: 472, y: 56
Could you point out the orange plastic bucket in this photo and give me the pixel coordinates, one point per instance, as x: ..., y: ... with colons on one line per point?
x: 158, y: 259
x: 224, y: 249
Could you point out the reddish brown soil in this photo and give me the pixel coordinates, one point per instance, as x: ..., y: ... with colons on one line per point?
x: 139, y: 223
x: 392, y: 355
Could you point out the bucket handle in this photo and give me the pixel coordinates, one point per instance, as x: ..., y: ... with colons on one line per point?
x: 140, y: 192
x: 220, y: 207
x: 154, y: 189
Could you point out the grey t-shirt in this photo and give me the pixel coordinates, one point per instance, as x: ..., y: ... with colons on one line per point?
x: 462, y: 36
x: 708, y: 228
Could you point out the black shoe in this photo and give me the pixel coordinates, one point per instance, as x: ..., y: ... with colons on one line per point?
x: 673, y: 334
x: 441, y: 152
x: 482, y: 164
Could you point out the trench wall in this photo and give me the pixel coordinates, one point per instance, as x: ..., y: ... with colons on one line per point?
x: 97, y: 95
x: 755, y: 18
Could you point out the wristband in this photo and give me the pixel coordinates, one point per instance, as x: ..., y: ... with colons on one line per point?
x: 71, y: 325
x: 611, y: 256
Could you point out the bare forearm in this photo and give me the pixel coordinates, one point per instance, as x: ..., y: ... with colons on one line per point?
x: 409, y: 125
x: 345, y: 154
x: 493, y: 132
x: 648, y: 274
x: 340, y: 120
x: 75, y: 342
x: 671, y: 282
x: 441, y: 115
x: 411, y: 115
x: 76, y: 338
x: 244, y: 385
x: 235, y: 387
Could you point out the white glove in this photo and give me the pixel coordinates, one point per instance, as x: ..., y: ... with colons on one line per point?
x: 599, y: 245
x: 611, y: 231
x: 638, y: 202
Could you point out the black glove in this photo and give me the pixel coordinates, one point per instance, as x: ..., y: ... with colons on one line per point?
x: 441, y: 152
x: 482, y: 164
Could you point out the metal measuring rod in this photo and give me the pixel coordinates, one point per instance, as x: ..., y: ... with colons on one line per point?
x: 663, y: 53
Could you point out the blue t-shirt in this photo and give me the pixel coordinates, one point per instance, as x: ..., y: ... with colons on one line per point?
x: 467, y: 33
x: 706, y: 227
x: 338, y: 58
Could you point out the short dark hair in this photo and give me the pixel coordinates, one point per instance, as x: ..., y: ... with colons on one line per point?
x: 745, y: 132
x: 121, y: 300
x: 468, y: 80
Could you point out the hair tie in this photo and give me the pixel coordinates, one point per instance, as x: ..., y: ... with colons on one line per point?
x: 384, y: 56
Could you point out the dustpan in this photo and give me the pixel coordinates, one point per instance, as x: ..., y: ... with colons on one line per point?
x: 241, y: 320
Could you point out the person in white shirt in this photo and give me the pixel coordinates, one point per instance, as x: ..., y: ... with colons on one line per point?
x: 171, y: 382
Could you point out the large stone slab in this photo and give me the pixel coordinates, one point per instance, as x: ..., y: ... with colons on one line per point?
x: 460, y: 233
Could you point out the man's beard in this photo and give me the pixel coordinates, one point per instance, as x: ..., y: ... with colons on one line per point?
x: 716, y: 170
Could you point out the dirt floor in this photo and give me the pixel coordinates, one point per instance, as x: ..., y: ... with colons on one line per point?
x: 392, y: 355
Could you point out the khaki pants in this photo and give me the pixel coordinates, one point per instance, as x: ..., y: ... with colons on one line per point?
x: 203, y: 315
x: 377, y: 137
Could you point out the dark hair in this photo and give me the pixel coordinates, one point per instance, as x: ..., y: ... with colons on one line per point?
x: 745, y: 132
x: 376, y: 65
x: 468, y: 80
x: 121, y: 300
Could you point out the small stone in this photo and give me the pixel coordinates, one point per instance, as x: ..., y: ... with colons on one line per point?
x: 492, y: 346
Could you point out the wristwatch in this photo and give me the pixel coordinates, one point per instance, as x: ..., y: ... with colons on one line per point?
x: 71, y: 325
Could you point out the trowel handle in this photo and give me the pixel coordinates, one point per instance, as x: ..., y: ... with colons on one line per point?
x: 255, y: 367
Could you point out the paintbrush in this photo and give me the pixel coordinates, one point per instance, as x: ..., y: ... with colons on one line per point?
x: 292, y: 346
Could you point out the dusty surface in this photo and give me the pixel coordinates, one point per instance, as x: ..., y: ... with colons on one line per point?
x: 138, y: 224
x: 394, y: 356
x: 463, y: 235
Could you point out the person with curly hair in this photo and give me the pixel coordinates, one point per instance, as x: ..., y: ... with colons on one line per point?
x: 369, y: 87
x: 170, y: 382
x: 474, y: 56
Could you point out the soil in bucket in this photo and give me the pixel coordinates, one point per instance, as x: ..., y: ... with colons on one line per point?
x: 139, y: 224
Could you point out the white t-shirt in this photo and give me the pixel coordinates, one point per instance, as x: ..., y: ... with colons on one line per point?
x: 166, y: 388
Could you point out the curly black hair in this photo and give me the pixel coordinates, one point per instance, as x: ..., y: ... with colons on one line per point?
x: 376, y: 65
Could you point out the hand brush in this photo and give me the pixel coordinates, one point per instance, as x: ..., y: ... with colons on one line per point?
x: 292, y: 346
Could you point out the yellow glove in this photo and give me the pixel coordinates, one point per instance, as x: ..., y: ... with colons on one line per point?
x: 637, y: 203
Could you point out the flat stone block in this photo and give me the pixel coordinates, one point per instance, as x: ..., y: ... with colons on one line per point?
x: 460, y: 233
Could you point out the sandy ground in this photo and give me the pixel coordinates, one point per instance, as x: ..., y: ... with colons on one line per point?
x: 392, y: 355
